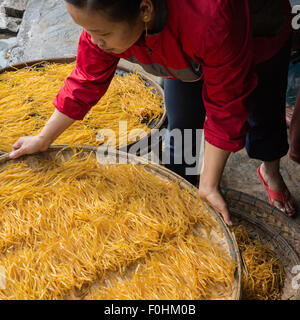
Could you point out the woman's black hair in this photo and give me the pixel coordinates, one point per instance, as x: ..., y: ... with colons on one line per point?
x: 118, y: 10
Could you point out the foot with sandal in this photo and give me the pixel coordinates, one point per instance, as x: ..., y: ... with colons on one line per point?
x: 278, y: 193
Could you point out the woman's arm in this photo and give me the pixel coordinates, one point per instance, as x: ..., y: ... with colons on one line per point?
x: 214, y: 163
x: 226, y: 54
x: 55, y: 126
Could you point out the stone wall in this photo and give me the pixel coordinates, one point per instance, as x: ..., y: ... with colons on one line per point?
x: 11, y: 14
x: 46, y: 31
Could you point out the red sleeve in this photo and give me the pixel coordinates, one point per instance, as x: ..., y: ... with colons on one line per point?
x: 88, y: 81
x: 229, y: 75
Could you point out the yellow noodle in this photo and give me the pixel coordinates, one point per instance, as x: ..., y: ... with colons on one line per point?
x: 65, y: 225
x: 26, y: 97
x: 187, y: 268
x: 266, y: 272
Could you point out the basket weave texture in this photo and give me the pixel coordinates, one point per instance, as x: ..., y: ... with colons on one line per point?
x: 272, y: 227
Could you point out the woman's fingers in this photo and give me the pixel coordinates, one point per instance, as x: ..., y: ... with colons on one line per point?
x: 18, y: 149
x: 17, y: 153
x: 27, y: 145
x: 225, y: 214
x: 216, y: 200
x: 17, y: 144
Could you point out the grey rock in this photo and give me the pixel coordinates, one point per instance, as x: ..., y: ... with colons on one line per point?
x: 6, y: 43
x: 11, y: 12
x: 15, y: 13
x: 9, y: 24
x: 15, y: 4
x: 46, y: 31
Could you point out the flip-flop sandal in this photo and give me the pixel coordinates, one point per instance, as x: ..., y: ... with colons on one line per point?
x: 277, y: 196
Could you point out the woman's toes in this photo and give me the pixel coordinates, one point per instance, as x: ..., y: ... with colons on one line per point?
x: 290, y: 206
x: 279, y: 206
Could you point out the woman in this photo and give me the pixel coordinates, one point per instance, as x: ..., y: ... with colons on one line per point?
x: 224, y: 55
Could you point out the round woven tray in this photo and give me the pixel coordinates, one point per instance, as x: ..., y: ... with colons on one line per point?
x: 227, y: 241
x: 157, y: 124
x: 272, y: 227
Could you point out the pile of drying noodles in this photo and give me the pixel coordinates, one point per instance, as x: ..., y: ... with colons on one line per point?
x: 66, y: 225
x: 266, y: 273
x: 26, y: 103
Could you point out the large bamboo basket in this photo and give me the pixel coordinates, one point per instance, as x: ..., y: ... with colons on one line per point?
x: 159, y: 123
x: 272, y: 227
x: 227, y: 240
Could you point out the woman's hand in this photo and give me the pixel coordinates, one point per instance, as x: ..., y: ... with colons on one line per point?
x: 214, y: 163
x: 28, y: 145
x: 216, y: 200
x: 55, y: 126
